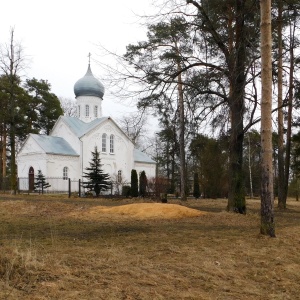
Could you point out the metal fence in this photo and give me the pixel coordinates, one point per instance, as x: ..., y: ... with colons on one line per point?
x: 58, y: 185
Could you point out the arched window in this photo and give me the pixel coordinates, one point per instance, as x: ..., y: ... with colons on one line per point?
x: 104, y: 142
x: 87, y: 110
x: 111, y: 144
x: 78, y: 111
x: 119, y: 176
x: 96, y: 111
x: 65, y: 173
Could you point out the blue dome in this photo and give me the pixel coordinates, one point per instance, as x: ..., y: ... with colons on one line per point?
x: 89, y: 86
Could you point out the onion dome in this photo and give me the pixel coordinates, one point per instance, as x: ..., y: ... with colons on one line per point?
x: 88, y: 85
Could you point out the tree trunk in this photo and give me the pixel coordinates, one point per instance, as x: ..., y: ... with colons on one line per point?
x: 173, y: 172
x: 13, y: 169
x: 249, y: 165
x: 236, y: 195
x: 12, y: 134
x: 281, y: 185
x: 3, y: 150
x: 181, y: 131
x: 289, y: 117
x: 267, y: 194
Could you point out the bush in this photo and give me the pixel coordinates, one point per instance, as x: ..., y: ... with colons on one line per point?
x: 134, y: 184
x: 126, y: 191
x: 143, y: 184
x: 164, y: 197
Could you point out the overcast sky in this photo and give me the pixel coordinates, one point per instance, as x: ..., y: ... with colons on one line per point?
x: 57, y: 36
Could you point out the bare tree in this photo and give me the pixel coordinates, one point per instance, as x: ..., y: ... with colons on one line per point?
x: 118, y: 182
x: 267, y: 194
x: 69, y: 106
x: 135, y: 126
x: 12, y: 63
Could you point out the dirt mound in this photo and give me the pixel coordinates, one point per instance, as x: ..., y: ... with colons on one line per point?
x: 143, y: 211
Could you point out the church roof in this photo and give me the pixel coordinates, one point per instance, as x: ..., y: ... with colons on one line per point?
x: 140, y: 156
x: 79, y: 127
x: 88, y: 85
x: 54, y: 145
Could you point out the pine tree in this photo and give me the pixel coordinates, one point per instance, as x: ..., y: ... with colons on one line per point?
x: 40, y: 182
x: 196, y: 192
x: 134, y: 184
x: 97, y: 180
x: 143, y: 184
x: 267, y: 226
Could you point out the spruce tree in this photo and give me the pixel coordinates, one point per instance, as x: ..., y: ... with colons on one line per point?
x: 40, y: 182
x: 143, y: 184
x: 134, y: 184
x: 97, y: 180
x: 196, y: 192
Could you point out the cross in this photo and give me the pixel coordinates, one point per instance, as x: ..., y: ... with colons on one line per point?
x: 89, y: 56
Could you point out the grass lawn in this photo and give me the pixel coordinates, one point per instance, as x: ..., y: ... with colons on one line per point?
x: 53, y: 247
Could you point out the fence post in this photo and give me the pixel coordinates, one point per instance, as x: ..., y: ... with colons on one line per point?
x: 79, y: 188
x: 69, y: 187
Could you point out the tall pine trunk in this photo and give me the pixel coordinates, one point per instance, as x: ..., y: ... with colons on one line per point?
x: 267, y: 194
x: 181, y: 130
x: 281, y: 185
x: 289, y: 117
x: 236, y: 195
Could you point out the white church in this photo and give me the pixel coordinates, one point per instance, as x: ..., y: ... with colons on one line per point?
x: 66, y: 152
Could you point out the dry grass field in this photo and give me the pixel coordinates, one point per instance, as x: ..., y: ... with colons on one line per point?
x: 58, y: 248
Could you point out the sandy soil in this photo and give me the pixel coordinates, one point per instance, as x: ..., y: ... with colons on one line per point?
x: 140, y: 211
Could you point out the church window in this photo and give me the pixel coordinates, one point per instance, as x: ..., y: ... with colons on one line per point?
x: 119, y: 176
x: 87, y: 110
x: 78, y: 111
x: 96, y: 111
x: 65, y: 173
x: 104, y: 142
x: 111, y: 144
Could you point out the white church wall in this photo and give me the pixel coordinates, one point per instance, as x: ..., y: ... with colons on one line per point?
x: 122, y: 157
x: 149, y: 169
x: 62, y: 130
x: 30, y: 146
x: 30, y: 155
x: 56, y: 164
x: 37, y: 161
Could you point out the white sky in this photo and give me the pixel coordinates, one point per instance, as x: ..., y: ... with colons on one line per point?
x: 57, y: 35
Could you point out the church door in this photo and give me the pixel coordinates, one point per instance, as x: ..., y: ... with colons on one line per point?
x: 31, y: 179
